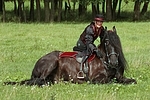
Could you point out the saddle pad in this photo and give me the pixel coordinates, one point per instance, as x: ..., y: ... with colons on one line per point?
x: 91, y: 57
x: 73, y: 55
x: 68, y: 54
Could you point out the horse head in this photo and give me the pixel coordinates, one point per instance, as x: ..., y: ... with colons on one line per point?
x: 109, y: 48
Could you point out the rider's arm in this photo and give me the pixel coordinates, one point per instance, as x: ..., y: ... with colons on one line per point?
x: 89, y: 35
x: 102, y: 34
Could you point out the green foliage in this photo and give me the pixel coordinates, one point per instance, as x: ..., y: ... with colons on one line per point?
x: 23, y: 44
x: 126, y: 12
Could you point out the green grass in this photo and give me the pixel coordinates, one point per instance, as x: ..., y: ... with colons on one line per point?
x: 23, y: 44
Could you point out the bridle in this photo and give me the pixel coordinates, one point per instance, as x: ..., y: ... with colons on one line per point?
x: 108, y: 55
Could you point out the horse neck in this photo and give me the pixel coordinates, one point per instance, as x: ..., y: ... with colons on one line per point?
x: 102, y: 49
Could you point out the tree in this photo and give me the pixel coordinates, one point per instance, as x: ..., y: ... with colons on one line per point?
x: 31, y: 10
x: 47, y: 11
x: 115, y: 2
x: 82, y: 7
x: 119, y: 8
x: 103, y: 7
x: 109, y: 12
x: 38, y: 10
x: 145, y: 6
x: 4, y: 14
x: 136, y: 14
x: 95, y: 8
x: 111, y: 6
x: 1, y: 8
x: 20, y: 10
x: 15, y: 7
x: 52, y: 11
x: 59, y: 10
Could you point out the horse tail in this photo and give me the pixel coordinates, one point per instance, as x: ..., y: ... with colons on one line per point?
x: 16, y: 83
x: 30, y: 82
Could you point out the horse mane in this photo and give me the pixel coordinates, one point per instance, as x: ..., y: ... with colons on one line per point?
x: 115, y: 42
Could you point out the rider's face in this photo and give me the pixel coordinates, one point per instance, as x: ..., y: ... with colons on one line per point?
x: 98, y: 23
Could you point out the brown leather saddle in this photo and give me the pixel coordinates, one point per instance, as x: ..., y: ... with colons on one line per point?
x: 78, y: 56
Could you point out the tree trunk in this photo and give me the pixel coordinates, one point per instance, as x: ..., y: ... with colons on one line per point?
x: 59, y: 10
x: 24, y: 13
x: 136, y: 14
x: 82, y: 8
x: 115, y: 2
x: 15, y: 7
x: 98, y: 11
x: 52, y: 13
x: 20, y: 10
x: 69, y: 4
x: 94, y: 10
x: 4, y: 12
x: 38, y: 9
x: 1, y: 5
x: 74, y: 5
x: 66, y: 8
x: 103, y: 7
x: 119, y: 8
x: 32, y: 10
x: 109, y: 16
x: 144, y: 9
x: 46, y: 8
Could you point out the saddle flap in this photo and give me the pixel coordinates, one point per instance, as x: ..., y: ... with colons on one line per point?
x: 79, y: 58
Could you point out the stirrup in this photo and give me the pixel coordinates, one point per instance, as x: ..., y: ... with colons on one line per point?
x: 82, y: 74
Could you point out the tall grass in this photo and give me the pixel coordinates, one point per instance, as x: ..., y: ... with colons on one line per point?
x: 23, y: 44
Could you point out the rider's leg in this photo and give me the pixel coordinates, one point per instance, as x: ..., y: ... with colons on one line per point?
x: 84, y: 60
x: 85, y: 57
x: 81, y: 73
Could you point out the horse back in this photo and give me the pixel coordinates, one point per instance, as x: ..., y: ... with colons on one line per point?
x: 45, y: 65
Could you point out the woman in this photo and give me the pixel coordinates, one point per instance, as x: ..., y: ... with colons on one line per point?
x: 86, y: 40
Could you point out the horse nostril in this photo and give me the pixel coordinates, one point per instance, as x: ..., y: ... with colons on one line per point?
x: 115, y: 63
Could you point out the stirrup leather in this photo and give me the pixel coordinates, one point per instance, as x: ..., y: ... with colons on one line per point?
x: 80, y: 74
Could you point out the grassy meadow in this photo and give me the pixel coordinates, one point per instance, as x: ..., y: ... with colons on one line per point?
x: 21, y: 45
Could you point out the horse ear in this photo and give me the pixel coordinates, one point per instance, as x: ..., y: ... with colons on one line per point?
x: 114, y: 29
x: 105, y: 28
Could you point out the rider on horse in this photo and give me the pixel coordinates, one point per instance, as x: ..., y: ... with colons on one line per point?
x: 86, y: 40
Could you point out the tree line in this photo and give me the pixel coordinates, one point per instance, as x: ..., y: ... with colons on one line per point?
x: 58, y: 10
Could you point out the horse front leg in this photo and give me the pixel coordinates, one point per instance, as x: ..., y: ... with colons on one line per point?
x: 100, y: 78
x: 122, y: 79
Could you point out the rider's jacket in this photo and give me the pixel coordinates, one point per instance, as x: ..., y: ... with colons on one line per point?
x: 89, y: 35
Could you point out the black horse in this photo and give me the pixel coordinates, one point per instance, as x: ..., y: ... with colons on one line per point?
x: 63, y: 66
x: 111, y: 48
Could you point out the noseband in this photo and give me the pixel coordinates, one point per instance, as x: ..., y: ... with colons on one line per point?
x: 110, y: 54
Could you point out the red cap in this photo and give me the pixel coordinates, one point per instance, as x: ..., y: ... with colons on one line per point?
x: 99, y: 18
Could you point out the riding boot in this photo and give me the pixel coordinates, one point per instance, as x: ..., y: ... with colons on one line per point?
x: 81, y: 73
x: 84, y: 61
